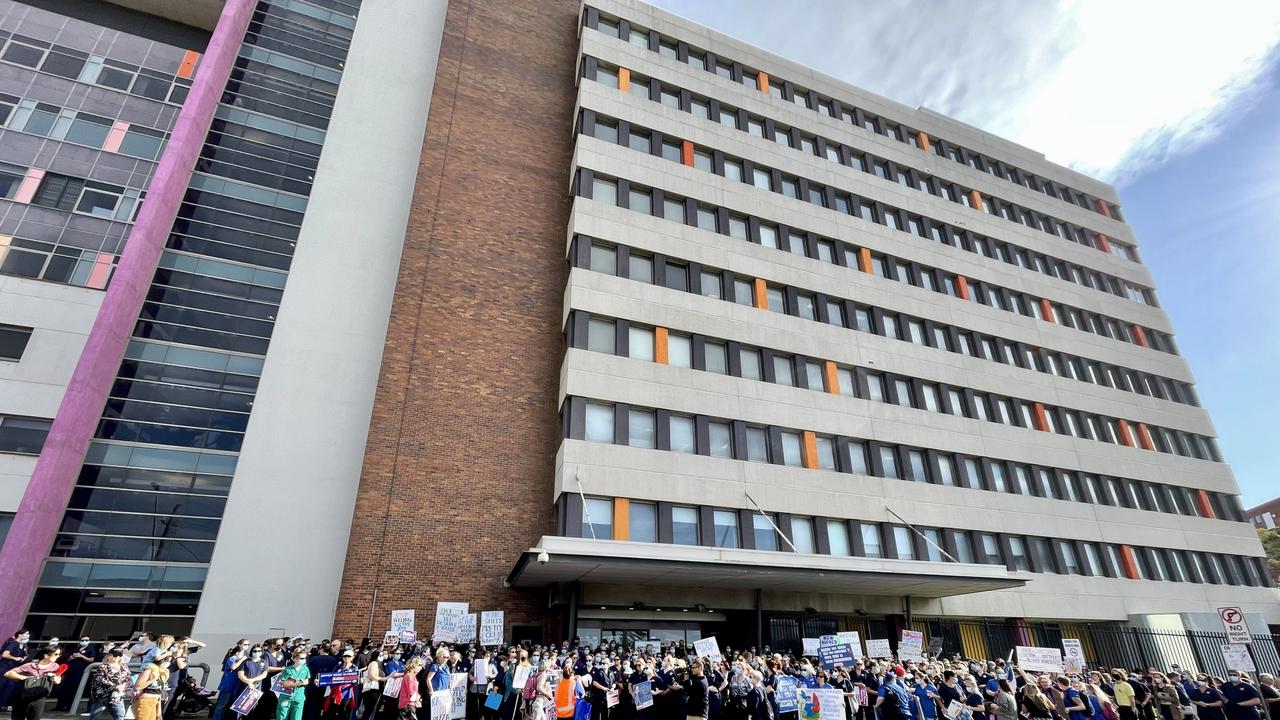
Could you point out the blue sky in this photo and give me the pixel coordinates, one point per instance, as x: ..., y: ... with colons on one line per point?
x: 1176, y: 106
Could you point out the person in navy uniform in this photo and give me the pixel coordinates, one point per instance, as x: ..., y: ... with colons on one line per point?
x: 601, y: 684
x: 1207, y: 700
x: 1242, y: 698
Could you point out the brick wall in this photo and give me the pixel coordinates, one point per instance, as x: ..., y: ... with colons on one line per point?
x: 458, y: 470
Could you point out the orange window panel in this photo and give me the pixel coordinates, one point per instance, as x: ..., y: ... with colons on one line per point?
x: 975, y: 199
x: 1144, y: 437
x: 660, y: 345
x: 762, y: 81
x: 1122, y: 432
x: 1206, y: 508
x: 761, y: 294
x: 188, y: 67
x: 831, y: 377
x: 1103, y: 208
x: 1130, y: 562
x: 924, y: 141
x: 1042, y: 421
x: 809, y: 454
x: 1103, y: 245
x: 621, y: 519
x: 1139, y: 335
x: 1046, y: 309
x: 864, y: 260
x: 962, y: 287
x: 686, y: 153
x: 624, y: 79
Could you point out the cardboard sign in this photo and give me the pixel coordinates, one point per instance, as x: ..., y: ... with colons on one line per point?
x: 644, y: 694
x: 649, y: 647
x: 935, y: 646
x: 247, y: 701
x: 491, y: 626
x: 911, y: 646
x: 611, y: 698
x: 953, y: 710
x: 346, y: 677
x: 448, y: 621
x: 520, y: 677
x: 831, y: 652
x: 878, y: 648
x: 401, y: 620
x: 392, y: 688
x: 408, y: 636
x: 1238, y: 657
x: 467, y: 630
x: 480, y: 669
x: 707, y: 648
x: 852, y: 639
x: 820, y: 704
x: 1039, y: 659
x: 1233, y: 622
x: 785, y: 691
x: 441, y: 706
x: 391, y: 637
x: 811, y: 646
x: 458, y: 686
x: 1072, y: 656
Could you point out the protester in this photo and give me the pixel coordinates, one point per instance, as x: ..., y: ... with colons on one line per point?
x: 33, y: 682
x: 12, y: 654
x: 1270, y: 695
x: 410, y: 700
x: 1243, y: 699
x: 568, y: 691
x: 80, y: 658
x: 107, y: 686
x: 150, y: 689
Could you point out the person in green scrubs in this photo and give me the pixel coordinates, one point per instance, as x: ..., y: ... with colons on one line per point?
x: 294, y: 680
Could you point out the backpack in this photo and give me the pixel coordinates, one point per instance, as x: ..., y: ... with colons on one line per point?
x: 530, y: 690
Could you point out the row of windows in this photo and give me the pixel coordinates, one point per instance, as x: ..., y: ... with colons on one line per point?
x: 620, y: 260
x: 647, y: 428
x: 745, y: 529
x: 13, y: 341
x: 720, y: 220
x: 23, y: 435
x: 786, y: 91
x: 56, y: 263
x: 88, y: 197
x: 80, y: 128
x: 93, y: 69
x: 727, y: 116
x: 746, y: 171
x: 728, y: 357
x: 707, y: 281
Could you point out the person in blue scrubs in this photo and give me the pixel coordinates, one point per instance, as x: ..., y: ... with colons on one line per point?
x: 1242, y: 698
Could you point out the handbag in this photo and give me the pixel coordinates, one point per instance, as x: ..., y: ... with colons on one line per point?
x: 37, y: 687
x: 582, y: 711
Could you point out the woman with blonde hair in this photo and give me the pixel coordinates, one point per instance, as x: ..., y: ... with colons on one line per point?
x: 410, y: 699
x: 150, y: 687
x: 1035, y: 703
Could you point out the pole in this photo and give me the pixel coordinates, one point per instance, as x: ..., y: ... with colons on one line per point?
x: 573, y: 610
x: 785, y: 539
x: 373, y: 604
x: 913, y: 529
x: 586, y: 514
x: 759, y: 620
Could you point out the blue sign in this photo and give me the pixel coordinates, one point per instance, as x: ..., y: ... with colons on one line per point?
x: 832, y: 653
x: 785, y: 691
x: 644, y: 694
x: 338, y: 678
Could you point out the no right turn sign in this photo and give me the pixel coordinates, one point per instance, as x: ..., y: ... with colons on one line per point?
x: 1233, y: 622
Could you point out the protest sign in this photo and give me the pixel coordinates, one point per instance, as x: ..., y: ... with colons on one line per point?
x: 832, y: 652
x: 611, y: 698
x: 1238, y: 657
x: 853, y: 640
x: 481, y: 670
x: 644, y: 694
x: 441, y: 706
x: 878, y: 648
x: 811, y: 646
x: 408, y: 636
x: 392, y: 688
x: 652, y: 647
x: 391, y: 637
x: 458, y: 686
x: 1072, y: 656
x: 820, y: 703
x: 247, y: 701
x: 401, y: 620
x: 448, y: 621
x: 338, y: 678
x: 935, y: 646
x: 1039, y: 659
x: 707, y: 648
x: 953, y: 710
x: 491, y: 626
x: 785, y: 691
x: 467, y: 629
x: 911, y: 646
x: 520, y: 677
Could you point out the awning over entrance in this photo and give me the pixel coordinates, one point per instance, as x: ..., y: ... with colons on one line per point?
x: 616, y: 562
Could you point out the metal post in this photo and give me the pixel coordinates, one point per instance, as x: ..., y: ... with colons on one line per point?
x: 84, y: 680
x: 907, y: 608
x: 759, y: 620
x: 373, y: 604
x: 573, y: 610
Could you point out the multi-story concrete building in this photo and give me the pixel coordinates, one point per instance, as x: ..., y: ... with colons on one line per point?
x: 1265, y: 516
x: 641, y: 332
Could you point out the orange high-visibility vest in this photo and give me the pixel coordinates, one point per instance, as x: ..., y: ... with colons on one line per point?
x: 565, y: 697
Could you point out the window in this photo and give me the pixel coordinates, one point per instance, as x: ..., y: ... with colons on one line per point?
x: 888, y: 462
x: 679, y: 350
x: 791, y: 454
x: 640, y: 268
x: 1018, y: 558
x: 643, y: 518
x: 59, y: 191
x: 597, y: 519
x: 22, y: 54
x: 684, y: 525
x: 604, y: 259
x: 989, y: 549
x: 1044, y: 554
x: 717, y: 358
x: 946, y: 470
x: 712, y: 285
x: 726, y: 528
x: 875, y: 387
x: 599, y: 422
x: 639, y: 140
x: 13, y: 341
x: 682, y: 438
x: 964, y: 546
x: 838, y: 537
x: 706, y: 218
x: 802, y: 535
x: 720, y: 438
x: 604, y: 190
x: 858, y: 458
x: 783, y: 370
x: 749, y: 363
x: 1071, y: 563
x: 826, y: 453
x: 600, y: 336
x: 933, y: 544
x: 870, y: 534
x: 916, y: 465
x: 640, y: 200
x: 24, y: 436
x: 762, y: 528
x: 757, y: 444
x: 903, y: 543
x: 769, y: 236
x: 641, y: 430
x: 640, y: 343
x: 775, y: 300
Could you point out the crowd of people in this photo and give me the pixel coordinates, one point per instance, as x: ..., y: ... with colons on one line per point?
x: 295, y: 679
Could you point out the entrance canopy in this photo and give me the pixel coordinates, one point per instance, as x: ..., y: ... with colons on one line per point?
x: 617, y: 562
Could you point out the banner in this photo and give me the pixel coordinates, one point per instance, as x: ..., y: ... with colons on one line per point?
x: 491, y: 626
x: 1039, y: 659
x: 442, y: 706
x: 707, y: 648
x: 852, y: 639
x: 811, y: 646
x: 408, y: 636
x: 650, y: 647
x: 832, y: 652
x: 448, y: 621
x: 458, y: 686
x: 879, y: 648
x: 820, y: 703
x: 338, y: 678
x: 911, y: 646
x: 644, y: 694
x: 401, y: 620
x: 785, y: 691
x: 467, y: 629
x: 1072, y: 656
x: 1238, y: 657
x: 247, y: 701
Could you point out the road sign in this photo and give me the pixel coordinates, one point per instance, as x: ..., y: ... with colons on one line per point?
x: 1233, y: 622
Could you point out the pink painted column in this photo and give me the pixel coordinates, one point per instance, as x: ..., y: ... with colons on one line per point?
x: 39, y: 514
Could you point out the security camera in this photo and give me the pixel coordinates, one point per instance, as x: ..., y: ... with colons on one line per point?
x: 543, y: 558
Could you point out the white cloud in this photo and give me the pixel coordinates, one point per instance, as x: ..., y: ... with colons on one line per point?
x: 1108, y: 87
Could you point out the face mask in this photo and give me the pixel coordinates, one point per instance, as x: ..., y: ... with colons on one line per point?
x: 257, y: 654
x: 109, y: 647
x: 397, y: 656
x: 244, y: 646
x: 53, y: 641
x: 23, y: 638
x: 84, y: 643
x: 299, y: 662
x: 1233, y: 678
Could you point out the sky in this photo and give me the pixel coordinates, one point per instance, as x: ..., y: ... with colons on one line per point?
x: 1176, y: 104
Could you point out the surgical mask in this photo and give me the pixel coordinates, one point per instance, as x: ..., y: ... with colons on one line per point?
x: 244, y: 646
x: 84, y: 643
x: 257, y: 654
x: 397, y: 656
x: 1233, y: 678
x: 299, y: 662
x: 53, y: 641
x: 109, y: 647
x: 23, y: 637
